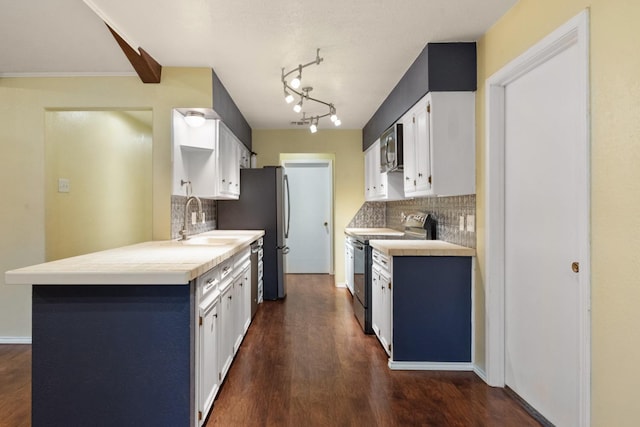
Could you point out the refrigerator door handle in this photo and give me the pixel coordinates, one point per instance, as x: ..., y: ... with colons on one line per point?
x: 288, y: 201
x: 285, y: 249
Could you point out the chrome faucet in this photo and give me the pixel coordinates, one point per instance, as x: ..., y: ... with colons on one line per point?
x: 184, y: 233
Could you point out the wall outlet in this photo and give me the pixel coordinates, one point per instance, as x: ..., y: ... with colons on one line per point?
x: 461, y: 222
x: 64, y: 186
x: 471, y: 223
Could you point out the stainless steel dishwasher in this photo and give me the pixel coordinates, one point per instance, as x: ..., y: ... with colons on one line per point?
x: 256, y: 275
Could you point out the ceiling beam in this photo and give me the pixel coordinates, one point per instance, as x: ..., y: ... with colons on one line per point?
x: 147, y: 68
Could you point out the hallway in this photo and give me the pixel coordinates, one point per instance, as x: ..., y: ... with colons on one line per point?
x: 306, y: 362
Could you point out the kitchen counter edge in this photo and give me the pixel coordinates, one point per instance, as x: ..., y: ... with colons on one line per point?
x: 421, y: 248
x: 158, y: 262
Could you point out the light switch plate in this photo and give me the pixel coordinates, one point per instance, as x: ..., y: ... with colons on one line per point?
x: 461, y: 222
x: 471, y: 223
x: 64, y: 186
x: 194, y: 218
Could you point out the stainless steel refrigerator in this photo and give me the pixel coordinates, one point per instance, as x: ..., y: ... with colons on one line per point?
x: 263, y: 205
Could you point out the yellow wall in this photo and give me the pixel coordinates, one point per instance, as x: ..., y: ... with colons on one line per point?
x: 106, y: 156
x: 23, y: 102
x: 348, y: 171
x: 615, y: 182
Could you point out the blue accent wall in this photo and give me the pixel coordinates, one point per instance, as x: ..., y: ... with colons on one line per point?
x: 230, y: 113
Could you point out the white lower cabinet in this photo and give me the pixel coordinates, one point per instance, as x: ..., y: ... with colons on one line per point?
x: 348, y: 264
x: 227, y: 329
x: 381, y: 299
x: 223, y: 317
x: 209, y: 381
x: 246, y: 297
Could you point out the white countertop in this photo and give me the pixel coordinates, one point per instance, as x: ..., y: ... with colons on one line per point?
x: 420, y: 248
x: 163, y: 262
x: 373, y: 232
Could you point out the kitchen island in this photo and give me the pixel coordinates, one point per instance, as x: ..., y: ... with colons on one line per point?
x: 115, y: 333
x: 422, y: 303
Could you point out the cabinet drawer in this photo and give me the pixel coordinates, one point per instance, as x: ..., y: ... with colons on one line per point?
x: 208, y: 282
x: 381, y: 260
x: 226, y: 268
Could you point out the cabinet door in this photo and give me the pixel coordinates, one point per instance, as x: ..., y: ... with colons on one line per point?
x: 246, y: 298
x: 422, y: 147
x: 238, y: 312
x: 375, y: 301
x: 385, y: 311
x: 226, y: 329
x: 409, y: 146
x: 348, y: 266
x: 226, y: 162
x: 208, y: 357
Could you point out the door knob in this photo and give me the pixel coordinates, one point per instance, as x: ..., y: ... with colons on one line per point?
x: 575, y: 267
x: 326, y: 223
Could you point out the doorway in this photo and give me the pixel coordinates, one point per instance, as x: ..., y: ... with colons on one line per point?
x: 537, y: 246
x: 99, y: 182
x: 310, y: 237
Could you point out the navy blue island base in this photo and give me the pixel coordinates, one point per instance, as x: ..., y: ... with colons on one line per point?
x: 112, y: 355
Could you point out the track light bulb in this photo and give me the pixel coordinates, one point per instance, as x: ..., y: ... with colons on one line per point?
x: 313, y: 128
x: 288, y: 97
x: 298, y: 107
x: 337, y: 122
x: 295, y: 83
x: 333, y: 117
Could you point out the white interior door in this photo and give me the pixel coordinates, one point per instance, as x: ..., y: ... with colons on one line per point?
x: 542, y: 208
x: 310, y: 230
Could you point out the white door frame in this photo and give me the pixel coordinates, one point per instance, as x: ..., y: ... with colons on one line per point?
x: 329, y: 164
x: 573, y: 33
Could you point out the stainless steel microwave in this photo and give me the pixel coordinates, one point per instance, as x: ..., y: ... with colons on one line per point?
x: 391, y: 153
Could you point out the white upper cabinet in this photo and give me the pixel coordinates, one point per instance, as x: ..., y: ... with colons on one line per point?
x: 439, y: 145
x: 206, y: 158
x: 228, y: 178
x: 378, y: 185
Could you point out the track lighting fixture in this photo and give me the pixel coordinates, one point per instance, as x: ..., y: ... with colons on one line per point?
x: 287, y: 96
x: 194, y: 118
x: 294, y: 85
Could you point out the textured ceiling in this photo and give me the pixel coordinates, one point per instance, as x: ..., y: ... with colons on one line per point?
x: 367, y: 45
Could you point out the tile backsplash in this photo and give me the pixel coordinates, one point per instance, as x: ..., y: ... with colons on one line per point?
x: 371, y: 214
x: 177, y: 216
x: 447, y: 212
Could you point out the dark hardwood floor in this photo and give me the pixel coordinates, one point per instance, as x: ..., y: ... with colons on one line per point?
x: 305, y: 362
x: 15, y: 385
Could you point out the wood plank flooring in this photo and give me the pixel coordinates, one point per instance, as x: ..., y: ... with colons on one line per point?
x: 15, y: 385
x: 305, y: 362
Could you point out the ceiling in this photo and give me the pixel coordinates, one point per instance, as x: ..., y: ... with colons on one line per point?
x: 367, y: 45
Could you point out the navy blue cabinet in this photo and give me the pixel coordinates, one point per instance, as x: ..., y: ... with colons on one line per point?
x: 432, y: 309
x: 430, y: 304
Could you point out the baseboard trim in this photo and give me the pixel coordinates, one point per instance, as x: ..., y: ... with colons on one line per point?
x: 341, y: 285
x: 479, y: 372
x: 430, y: 366
x: 15, y: 340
